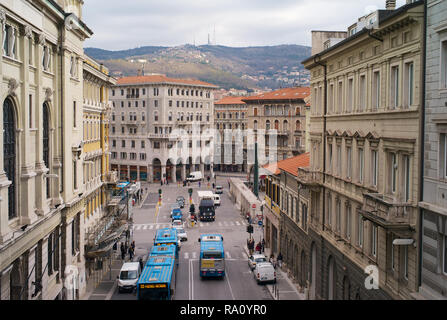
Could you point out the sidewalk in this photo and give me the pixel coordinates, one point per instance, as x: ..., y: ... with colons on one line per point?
x: 284, y: 289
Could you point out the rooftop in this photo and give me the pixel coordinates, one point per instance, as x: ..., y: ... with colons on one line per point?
x: 295, y: 93
x: 161, y: 79
x: 231, y: 100
x: 290, y: 165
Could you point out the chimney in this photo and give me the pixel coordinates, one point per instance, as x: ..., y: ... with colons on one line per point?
x: 390, y: 4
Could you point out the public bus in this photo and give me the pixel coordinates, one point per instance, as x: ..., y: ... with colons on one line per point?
x: 212, y: 256
x: 164, y: 250
x: 158, y: 279
x: 167, y: 236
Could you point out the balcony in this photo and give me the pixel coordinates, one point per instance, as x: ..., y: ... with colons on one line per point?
x: 387, y: 211
x: 309, y: 177
x: 111, y: 177
x: 161, y: 136
x: 299, y: 133
x: 133, y: 96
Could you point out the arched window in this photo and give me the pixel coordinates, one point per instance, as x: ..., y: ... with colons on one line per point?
x: 9, y: 154
x: 255, y: 125
x: 155, y: 116
x: 267, y: 125
x: 297, y: 111
x: 297, y: 125
x: 170, y: 116
x: 255, y: 112
x: 285, y: 125
x: 46, y: 142
x: 276, y: 124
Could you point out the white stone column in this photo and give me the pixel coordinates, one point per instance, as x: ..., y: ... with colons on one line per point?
x: 173, y: 174
x: 163, y: 173
x: 183, y: 172
x: 150, y: 174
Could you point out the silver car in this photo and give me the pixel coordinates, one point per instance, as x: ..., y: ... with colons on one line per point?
x: 181, y: 234
x: 256, y: 258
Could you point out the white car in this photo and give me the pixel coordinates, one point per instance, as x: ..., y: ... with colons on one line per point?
x: 216, y: 199
x: 254, y: 259
x: 181, y: 234
x: 264, y: 272
x: 177, y: 224
x: 128, y: 278
x: 219, y: 190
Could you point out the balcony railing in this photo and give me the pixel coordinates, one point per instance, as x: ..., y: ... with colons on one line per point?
x: 310, y: 177
x: 387, y: 208
x: 132, y: 96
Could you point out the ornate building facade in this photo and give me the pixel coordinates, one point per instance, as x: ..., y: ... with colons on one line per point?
x: 365, y: 156
x: 40, y: 188
x: 161, y: 128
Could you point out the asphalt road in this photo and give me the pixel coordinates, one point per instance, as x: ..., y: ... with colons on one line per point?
x: 238, y: 283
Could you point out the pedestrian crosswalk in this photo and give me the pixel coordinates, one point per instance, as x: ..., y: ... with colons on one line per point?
x: 156, y: 226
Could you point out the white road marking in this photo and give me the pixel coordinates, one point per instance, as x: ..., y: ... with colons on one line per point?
x: 186, y: 255
x: 201, y: 224
x: 228, y: 255
x: 237, y: 223
x: 145, y: 227
x: 157, y: 226
x: 220, y: 224
x: 194, y: 254
x: 151, y: 227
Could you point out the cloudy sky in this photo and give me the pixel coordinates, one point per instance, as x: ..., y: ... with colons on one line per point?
x: 119, y: 24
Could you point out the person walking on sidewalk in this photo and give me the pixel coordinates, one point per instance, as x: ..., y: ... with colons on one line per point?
x: 258, y: 247
x: 262, y: 246
x: 123, y: 251
x: 131, y: 253
x: 272, y: 260
x: 140, y: 261
x: 279, y: 259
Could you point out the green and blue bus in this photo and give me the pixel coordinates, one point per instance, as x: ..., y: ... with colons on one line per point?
x: 212, y: 256
x: 158, y: 279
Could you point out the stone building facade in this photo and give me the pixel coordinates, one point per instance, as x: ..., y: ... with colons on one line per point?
x: 434, y: 202
x: 230, y: 115
x: 280, y: 115
x: 161, y: 128
x: 41, y: 92
x: 365, y: 155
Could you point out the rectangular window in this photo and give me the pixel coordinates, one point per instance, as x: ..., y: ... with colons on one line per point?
x: 348, y: 162
x: 350, y: 95
x: 338, y: 160
x: 338, y: 217
x: 406, y: 163
x: 360, y: 231
x: 374, y: 240
x: 75, y: 175
x: 409, y: 83
x: 374, y: 164
x: 30, y: 102
x: 340, y: 97
x: 73, y: 238
x: 376, y: 91
x: 50, y: 255
x: 330, y: 158
x: 74, y: 114
x: 443, y: 68
x: 393, y: 172
x: 362, y: 93
x: 330, y: 99
x: 394, y: 87
x: 155, y: 103
x: 329, y: 211
x: 348, y: 221
x: 361, y: 165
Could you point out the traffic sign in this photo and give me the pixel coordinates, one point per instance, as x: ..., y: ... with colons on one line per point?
x: 260, y: 223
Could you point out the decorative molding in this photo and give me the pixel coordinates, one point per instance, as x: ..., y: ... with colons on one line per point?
x: 12, y: 87
x: 27, y: 31
x: 48, y: 93
x: 42, y: 39
x: 2, y: 16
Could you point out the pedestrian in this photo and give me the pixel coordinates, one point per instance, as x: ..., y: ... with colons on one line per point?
x: 161, y: 182
x: 167, y: 181
x: 258, y: 247
x: 131, y: 252
x: 272, y: 260
x: 123, y: 251
x: 132, y: 245
x: 262, y: 245
x: 279, y: 259
x: 141, y: 263
x: 228, y: 184
x: 199, y: 184
x: 213, y: 185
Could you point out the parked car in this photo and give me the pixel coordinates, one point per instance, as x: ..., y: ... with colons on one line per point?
x: 181, y: 201
x: 254, y: 259
x: 177, y: 224
x: 176, y: 214
x: 128, y: 277
x: 264, y: 272
x: 181, y: 233
x: 216, y: 200
x: 219, y: 190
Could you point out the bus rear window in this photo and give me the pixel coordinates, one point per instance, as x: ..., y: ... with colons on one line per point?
x: 212, y: 255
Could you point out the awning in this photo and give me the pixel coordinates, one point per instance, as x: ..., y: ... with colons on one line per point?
x: 106, y: 243
x: 100, y: 252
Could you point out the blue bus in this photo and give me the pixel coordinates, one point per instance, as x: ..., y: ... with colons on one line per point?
x: 212, y: 256
x: 167, y: 236
x: 165, y: 250
x: 158, y: 279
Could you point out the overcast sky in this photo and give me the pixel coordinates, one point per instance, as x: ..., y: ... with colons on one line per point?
x: 119, y: 24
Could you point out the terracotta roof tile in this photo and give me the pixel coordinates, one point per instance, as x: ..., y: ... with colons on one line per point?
x: 296, y: 93
x: 230, y: 100
x: 289, y: 165
x: 161, y: 79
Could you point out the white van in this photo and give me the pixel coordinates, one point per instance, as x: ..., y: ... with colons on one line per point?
x: 128, y: 278
x: 216, y: 200
x: 195, y: 176
x: 264, y: 272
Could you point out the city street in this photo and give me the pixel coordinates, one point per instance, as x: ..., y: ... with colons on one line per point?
x: 238, y: 283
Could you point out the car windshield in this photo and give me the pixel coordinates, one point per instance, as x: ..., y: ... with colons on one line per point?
x: 128, y: 275
x: 262, y: 259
